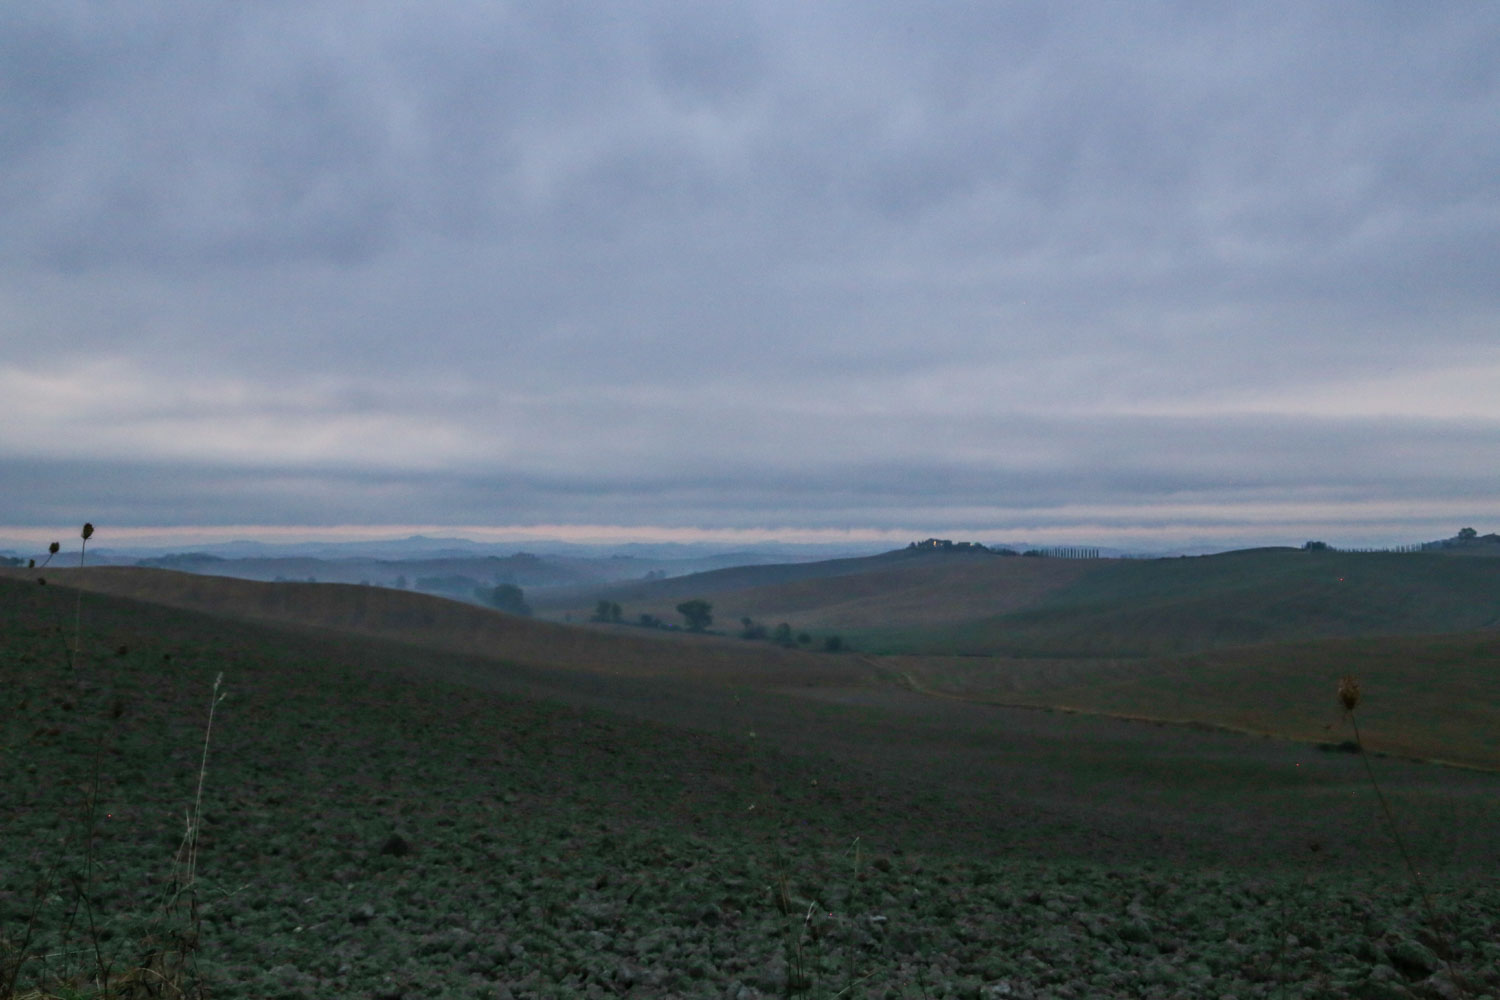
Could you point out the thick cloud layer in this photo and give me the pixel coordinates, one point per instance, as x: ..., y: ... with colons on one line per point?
x: 1092, y: 270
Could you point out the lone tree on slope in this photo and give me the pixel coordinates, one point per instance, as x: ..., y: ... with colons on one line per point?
x: 698, y: 613
x: 505, y: 597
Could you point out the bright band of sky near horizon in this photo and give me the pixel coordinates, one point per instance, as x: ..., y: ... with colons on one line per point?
x: 1075, y: 274
x: 1384, y: 524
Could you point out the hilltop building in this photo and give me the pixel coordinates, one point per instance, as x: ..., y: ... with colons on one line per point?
x: 947, y: 545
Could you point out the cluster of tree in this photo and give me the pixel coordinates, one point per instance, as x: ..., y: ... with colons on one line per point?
x: 750, y: 630
x: 1464, y: 535
x: 11, y: 561
x: 1465, y: 538
x: 698, y: 615
x: 505, y: 597
x: 783, y: 635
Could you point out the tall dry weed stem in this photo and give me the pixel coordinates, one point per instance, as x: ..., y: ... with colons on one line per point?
x: 1349, y: 695
x: 167, y: 967
x: 85, y: 534
x: 194, y: 819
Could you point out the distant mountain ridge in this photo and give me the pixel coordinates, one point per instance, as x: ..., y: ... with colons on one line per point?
x: 460, y: 573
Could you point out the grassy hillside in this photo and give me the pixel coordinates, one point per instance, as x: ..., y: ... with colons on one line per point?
x: 435, y: 623
x: 943, y: 590
x: 1177, y: 639
x: 1146, y: 608
x: 1434, y: 697
x: 712, y: 583
x: 935, y: 603
x: 909, y: 588
x: 382, y: 819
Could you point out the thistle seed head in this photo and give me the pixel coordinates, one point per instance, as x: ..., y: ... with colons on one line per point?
x: 1348, y: 692
x: 88, y: 531
x: 54, y: 548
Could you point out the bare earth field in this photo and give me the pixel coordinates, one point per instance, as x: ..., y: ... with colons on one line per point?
x: 400, y: 819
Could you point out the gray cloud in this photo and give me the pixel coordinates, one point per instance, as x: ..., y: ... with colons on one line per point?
x: 1258, y: 477
x: 647, y: 251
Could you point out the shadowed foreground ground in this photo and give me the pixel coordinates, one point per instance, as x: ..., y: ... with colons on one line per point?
x: 381, y: 821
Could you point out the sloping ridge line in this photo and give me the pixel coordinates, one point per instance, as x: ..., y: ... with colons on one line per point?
x: 433, y: 622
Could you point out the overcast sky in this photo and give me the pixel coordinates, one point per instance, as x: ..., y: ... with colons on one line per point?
x: 1092, y: 272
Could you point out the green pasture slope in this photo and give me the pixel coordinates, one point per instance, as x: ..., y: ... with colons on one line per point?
x: 383, y: 820
x: 1167, y: 607
x: 1428, y: 697
x: 712, y: 583
x: 1422, y: 695
x: 1252, y: 641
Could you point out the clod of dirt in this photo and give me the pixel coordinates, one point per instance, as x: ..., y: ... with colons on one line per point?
x: 1412, y: 958
x: 396, y: 846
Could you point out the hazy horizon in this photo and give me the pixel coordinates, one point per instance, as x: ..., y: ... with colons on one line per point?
x: 608, y: 537
x: 1134, y: 276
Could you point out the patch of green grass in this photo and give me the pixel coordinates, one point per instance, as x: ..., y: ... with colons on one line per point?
x: 1433, y: 697
x: 1167, y: 607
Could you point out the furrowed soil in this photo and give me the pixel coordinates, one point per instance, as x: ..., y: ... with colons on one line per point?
x: 383, y: 820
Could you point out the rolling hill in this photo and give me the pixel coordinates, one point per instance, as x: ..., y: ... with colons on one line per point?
x: 373, y: 817
x: 1251, y: 640
x: 435, y: 623
x: 907, y: 587
x: 979, y: 604
x: 1159, y: 607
